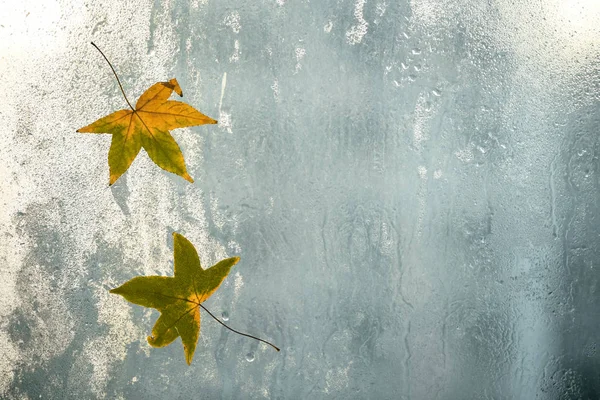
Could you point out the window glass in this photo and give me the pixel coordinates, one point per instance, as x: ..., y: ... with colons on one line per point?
x: 412, y: 186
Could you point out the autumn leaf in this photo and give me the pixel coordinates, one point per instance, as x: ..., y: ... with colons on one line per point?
x: 148, y: 125
x: 179, y: 298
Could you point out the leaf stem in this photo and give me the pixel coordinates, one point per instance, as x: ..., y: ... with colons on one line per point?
x: 114, y: 72
x: 239, y: 333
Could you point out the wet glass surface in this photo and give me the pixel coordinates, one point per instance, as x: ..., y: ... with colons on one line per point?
x: 412, y: 187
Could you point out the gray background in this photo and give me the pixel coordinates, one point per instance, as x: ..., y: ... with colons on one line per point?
x: 412, y: 187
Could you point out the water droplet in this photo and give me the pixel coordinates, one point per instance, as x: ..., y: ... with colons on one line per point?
x: 250, y: 357
x: 416, y: 50
x: 225, y: 316
x: 437, y: 92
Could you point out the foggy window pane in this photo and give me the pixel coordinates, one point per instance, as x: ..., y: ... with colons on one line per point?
x: 413, y: 188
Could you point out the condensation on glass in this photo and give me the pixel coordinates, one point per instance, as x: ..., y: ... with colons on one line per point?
x: 412, y: 186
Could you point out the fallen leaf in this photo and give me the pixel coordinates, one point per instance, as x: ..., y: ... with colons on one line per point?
x: 148, y: 126
x: 178, y: 298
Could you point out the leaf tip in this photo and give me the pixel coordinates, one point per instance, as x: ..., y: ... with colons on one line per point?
x: 177, y: 235
x: 235, y: 260
x: 175, y: 86
x: 151, y: 341
x: 84, y: 129
x: 188, y: 178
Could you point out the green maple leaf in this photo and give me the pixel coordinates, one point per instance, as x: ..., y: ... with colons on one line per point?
x: 178, y: 298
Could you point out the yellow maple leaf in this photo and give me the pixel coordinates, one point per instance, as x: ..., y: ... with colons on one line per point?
x: 148, y: 125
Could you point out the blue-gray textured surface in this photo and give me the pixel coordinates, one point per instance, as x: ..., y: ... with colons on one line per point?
x: 412, y: 186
